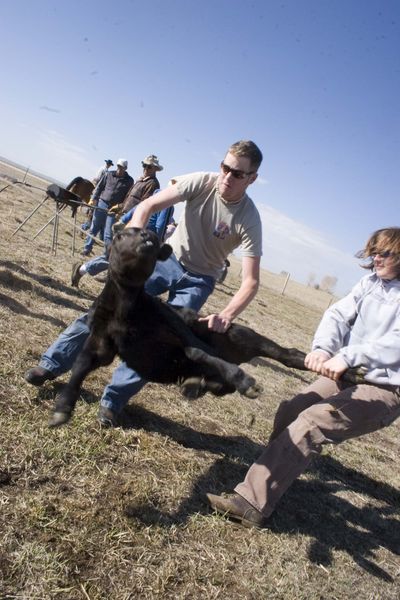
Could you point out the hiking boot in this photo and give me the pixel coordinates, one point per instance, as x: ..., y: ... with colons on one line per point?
x: 107, y: 417
x: 75, y: 275
x: 86, y: 252
x: 237, y: 508
x: 38, y: 375
x: 102, y: 277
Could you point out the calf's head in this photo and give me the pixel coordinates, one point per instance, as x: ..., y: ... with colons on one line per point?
x: 133, y: 256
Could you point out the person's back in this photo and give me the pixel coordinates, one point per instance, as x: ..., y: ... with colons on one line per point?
x: 108, y: 163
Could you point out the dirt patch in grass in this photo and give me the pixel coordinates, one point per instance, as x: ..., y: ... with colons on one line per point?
x: 121, y: 514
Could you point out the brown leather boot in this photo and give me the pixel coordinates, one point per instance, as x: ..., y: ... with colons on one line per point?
x: 75, y: 275
x: 237, y: 508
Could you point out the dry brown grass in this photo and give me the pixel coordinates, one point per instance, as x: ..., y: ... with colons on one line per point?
x: 120, y: 514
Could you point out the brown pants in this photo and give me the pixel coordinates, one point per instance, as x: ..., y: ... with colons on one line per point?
x: 326, y: 412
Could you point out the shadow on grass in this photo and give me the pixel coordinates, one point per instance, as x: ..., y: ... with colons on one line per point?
x: 317, y: 508
x: 18, y: 308
x: 235, y: 447
x: 314, y: 507
x: 49, y: 392
x: 10, y: 280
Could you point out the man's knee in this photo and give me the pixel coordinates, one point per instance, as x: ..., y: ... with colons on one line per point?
x: 283, y: 418
x: 289, y: 410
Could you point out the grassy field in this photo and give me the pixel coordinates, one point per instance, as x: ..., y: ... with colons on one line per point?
x: 121, y: 514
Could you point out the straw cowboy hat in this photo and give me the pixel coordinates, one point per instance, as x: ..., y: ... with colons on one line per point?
x: 152, y: 161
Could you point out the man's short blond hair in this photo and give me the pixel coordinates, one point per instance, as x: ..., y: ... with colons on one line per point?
x: 248, y: 149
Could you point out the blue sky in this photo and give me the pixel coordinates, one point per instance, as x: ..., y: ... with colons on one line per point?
x: 315, y: 83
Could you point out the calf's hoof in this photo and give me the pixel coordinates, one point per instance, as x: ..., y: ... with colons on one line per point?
x: 59, y: 418
x: 248, y: 387
x: 253, y: 391
x: 193, y: 387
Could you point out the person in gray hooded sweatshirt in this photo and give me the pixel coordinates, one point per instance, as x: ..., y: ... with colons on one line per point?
x: 361, y: 330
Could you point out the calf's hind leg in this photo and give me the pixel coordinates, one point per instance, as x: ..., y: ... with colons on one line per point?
x: 94, y: 354
x: 196, y: 386
x: 232, y: 375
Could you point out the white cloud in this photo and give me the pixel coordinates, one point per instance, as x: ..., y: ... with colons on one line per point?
x: 299, y: 250
x: 51, y: 153
x: 56, y: 150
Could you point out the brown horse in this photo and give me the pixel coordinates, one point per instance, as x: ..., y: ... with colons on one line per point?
x: 81, y: 187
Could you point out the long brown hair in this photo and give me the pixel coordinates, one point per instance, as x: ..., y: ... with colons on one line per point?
x: 387, y: 238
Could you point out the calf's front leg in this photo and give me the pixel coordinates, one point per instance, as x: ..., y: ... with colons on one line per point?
x: 94, y: 354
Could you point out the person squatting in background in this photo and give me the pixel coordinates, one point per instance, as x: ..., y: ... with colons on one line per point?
x: 362, y: 329
x: 158, y: 222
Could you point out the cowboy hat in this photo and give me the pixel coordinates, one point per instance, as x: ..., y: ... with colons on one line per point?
x: 152, y: 161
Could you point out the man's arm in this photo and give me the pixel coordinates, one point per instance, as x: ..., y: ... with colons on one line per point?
x: 243, y: 297
x: 99, y: 188
x: 145, y: 209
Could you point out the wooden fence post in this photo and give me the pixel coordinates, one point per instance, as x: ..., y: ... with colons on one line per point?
x: 26, y: 173
x: 331, y: 300
x: 285, y: 284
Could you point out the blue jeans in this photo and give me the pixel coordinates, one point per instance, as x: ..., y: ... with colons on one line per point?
x: 185, y: 289
x: 101, y: 222
x: 96, y: 265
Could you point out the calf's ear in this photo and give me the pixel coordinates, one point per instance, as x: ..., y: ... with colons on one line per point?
x: 165, y: 252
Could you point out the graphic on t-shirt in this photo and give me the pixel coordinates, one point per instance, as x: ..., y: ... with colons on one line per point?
x: 222, y: 230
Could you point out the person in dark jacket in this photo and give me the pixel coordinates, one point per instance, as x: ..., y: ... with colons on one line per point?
x: 109, y: 192
x: 108, y: 163
x: 145, y: 186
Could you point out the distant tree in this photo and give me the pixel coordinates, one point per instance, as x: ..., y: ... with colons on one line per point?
x: 311, y: 280
x: 328, y: 283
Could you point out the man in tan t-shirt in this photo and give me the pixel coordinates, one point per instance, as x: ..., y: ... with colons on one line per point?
x: 218, y: 217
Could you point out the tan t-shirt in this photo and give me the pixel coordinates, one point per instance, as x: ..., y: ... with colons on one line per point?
x: 210, y: 229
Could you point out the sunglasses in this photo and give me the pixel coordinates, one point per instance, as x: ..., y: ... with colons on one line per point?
x: 146, y: 166
x: 236, y: 173
x: 383, y: 254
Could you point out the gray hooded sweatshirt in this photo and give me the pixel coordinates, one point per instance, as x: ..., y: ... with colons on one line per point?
x: 364, y: 328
